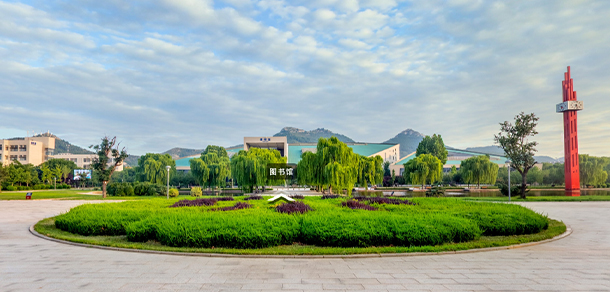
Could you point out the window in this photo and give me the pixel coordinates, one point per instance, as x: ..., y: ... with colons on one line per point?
x: 13, y: 148
x: 13, y: 157
x: 22, y: 158
x: 22, y: 148
x: 86, y: 160
x: 74, y: 160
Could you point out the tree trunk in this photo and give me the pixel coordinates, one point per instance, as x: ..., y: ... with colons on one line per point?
x: 104, y: 189
x: 523, y: 184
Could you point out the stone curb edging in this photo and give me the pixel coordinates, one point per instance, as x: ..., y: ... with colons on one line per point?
x: 377, y: 255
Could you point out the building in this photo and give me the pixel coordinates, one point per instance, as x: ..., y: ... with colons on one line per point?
x: 84, y: 160
x: 29, y: 150
x: 389, y: 152
x: 454, y: 158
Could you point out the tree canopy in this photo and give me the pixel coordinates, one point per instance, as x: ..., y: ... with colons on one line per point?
x: 249, y: 168
x: 479, y: 169
x: 517, y: 147
x: 592, y: 170
x: 106, y: 150
x: 422, y: 169
x: 433, y: 145
x: 152, y: 167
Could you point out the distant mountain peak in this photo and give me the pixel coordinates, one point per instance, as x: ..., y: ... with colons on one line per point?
x: 296, y: 135
x: 408, y: 139
x: 411, y: 132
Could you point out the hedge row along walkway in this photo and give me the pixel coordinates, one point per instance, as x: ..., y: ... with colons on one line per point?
x: 578, y: 262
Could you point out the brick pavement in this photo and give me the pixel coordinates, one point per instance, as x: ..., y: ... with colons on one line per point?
x: 580, y: 262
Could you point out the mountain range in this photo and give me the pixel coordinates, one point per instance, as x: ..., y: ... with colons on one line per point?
x: 295, y: 135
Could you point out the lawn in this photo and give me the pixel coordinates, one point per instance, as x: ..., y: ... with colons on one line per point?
x: 63, y: 195
x: 329, y: 227
x: 539, y: 199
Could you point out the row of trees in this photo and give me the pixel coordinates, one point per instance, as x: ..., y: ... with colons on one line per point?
x: 51, y: 171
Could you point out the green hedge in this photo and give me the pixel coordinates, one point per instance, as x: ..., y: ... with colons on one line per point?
x: 432, y: 221
x: 121, y: 189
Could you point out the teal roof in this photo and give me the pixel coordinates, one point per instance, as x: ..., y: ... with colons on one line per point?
x: 405, y: 159
x: 185, y: 161
x: 364, y: 149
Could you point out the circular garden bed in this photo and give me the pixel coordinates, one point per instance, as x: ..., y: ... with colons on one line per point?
x: 311, y: 225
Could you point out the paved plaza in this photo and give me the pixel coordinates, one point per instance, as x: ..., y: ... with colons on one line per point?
x: 580, y: 262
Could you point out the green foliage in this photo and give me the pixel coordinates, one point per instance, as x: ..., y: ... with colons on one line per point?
x: 218, y: 164
x: 430, y: 222
x: 249, y: 168
x: 106, y: 150
x: 592, y: 171
x: 514, y: 141
x: 149, y: 189
x: 433, y: 145
x: 173, y: 193
x: 196, y: 192
x: 423, y: 168
x: 479, y: 169
x: 152, y: 167
x: 199, y: 170
x: 120, y: 189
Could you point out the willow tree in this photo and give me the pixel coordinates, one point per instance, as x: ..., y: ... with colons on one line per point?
x: 310, y: 171
x: 152, y: 167
x: 249, y: 168
x: 219, y: 169
x: 592, y: 169
x: 199, y: 170
x: 433, y: 145
x: 370, y: 170
x: 422, y: 169
x: 479, y: 169
x: 108, y: 149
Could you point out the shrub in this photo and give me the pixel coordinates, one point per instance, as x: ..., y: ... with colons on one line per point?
x: 357, y: 205
x: 10, y: 188
x: 196, y: 192
x: 293, y: 207
x: 239, y: 205
x: 225, y: 199
x: 97, y: 219
x: 370, y: 193
x: 173, y: 192
x: 149, y: 189
x: 120, y: 189
x: 194, y: 203
x: 297, y: 197
x: 324, y: 197
x: 255, y: 197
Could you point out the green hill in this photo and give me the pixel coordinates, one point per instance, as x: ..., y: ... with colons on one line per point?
x: 408, y: 140
x: 182, y: 152
x: 295, y: 135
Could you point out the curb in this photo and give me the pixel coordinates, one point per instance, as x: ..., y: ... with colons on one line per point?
x: 378, y: 255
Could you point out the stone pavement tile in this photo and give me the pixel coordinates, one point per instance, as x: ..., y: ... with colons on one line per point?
x: 141, y: 287
x: 264, y: 286
x: 383, y: 286
x: 283, y: 281
x: 398, y: 281
x: 182, y: 286
x: 436, y: 281
x: 587, y: 287
x: 244, y: 281
x: 540, y: 287
x: 322, y: 281
x: 467, y: 287
x: 410, y: 287
x: 206, y: 280
x: 361, y: 281
x: 446, y: 276
x: 506, y: 287
x: 349, y: 287
x: 306, y: 287
x: 476, y: 281
x: 339, y: 276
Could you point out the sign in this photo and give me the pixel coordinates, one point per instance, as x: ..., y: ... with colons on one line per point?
x: 280, y: 197
x: 570, y: 105
x: 82, y: 173
x: 279, y: 171
x: 28, y: 196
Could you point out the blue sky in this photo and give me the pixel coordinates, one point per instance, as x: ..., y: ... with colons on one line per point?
x: 163, y: 74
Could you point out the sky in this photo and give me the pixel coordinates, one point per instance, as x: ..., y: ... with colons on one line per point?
x: 164, y: 74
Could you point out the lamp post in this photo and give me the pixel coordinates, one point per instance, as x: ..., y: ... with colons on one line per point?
x: 168, y: 168
x: 55, y: 183
x: 508, y: 167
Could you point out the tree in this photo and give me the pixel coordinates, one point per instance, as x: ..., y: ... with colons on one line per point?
x: 592, y: 171
x: 479, y: 169
x: 514, y: 140
x: 199, y: 170
x: 422, y: 169
x: 370, y: 170
x: 108, y: 149
x: 3, y: 175
x: 249, y: 168
x: 152, y: 167
x: 433, y: 145
x: 66, y: 166
x: 219, y: 165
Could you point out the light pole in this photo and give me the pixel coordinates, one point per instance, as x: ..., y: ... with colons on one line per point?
x: 508, y: 167
x: 55, y: 183
x: 168, y: 168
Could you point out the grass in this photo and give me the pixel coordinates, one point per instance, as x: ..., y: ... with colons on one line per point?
x: 47, y: 227
x: 66, y: 195
x: 539, y: 199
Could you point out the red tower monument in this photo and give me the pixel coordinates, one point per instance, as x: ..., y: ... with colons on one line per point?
x: 569, y: 107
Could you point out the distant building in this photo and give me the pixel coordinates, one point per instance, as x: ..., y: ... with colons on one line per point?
x: 293, y: 152
x: 29, y: 150
x: 84, y: 160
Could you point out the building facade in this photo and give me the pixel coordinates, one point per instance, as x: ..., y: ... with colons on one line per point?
x: 29, y: 150
x: 84, y: 160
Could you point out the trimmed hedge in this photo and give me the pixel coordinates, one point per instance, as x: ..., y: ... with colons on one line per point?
x: 428, y: 222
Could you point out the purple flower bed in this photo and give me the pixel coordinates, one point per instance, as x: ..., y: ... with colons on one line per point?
x: 357, y: 205
x: 194, y: 203
x: 225, y: 199
x: 239, y: 205
x: 329, y: 196
x: 298, y: 197
x: 381, y: 200
x: 253, y: 198
x: 293, y: 207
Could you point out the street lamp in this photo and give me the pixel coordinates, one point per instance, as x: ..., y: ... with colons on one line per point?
x: 168, y: 168
x: 508, y: 167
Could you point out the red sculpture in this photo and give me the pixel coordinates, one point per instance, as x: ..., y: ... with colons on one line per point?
x: 569, y: 107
